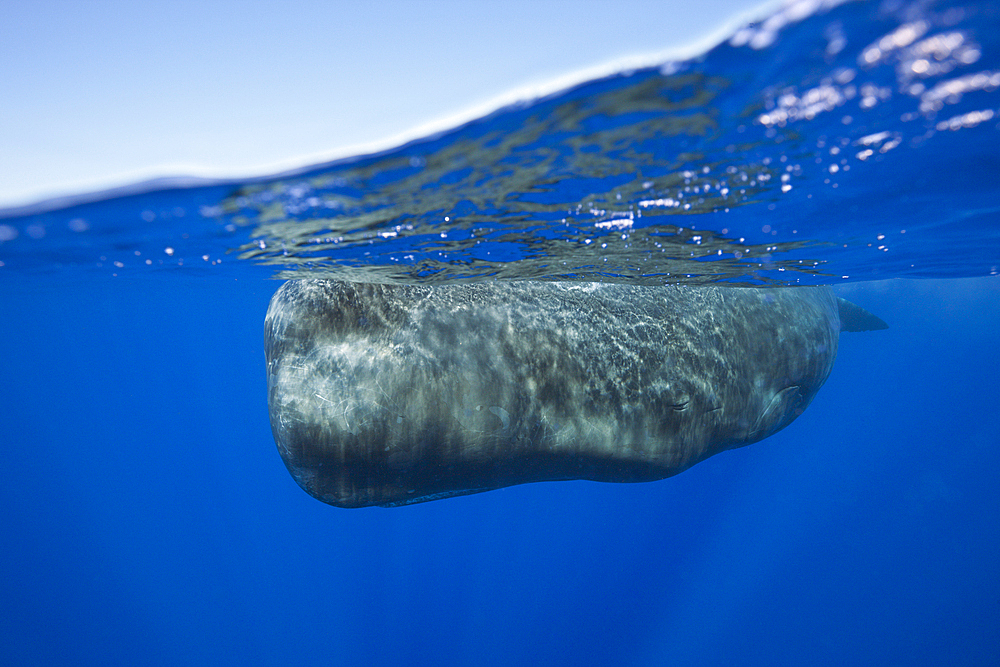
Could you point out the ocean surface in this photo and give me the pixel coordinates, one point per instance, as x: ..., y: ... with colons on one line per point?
x: 149, y: 519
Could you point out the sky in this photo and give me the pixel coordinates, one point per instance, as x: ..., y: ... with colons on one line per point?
x: 98, y: 94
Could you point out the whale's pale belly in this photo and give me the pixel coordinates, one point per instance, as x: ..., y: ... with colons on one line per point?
x: 390, y: 394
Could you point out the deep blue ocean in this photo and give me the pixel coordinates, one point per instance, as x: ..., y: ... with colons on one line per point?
x: 148, y: 518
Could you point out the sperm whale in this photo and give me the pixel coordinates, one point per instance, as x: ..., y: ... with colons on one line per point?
x: 394, y: 394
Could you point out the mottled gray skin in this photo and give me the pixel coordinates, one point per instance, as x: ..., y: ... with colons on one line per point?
x: 389, y: 395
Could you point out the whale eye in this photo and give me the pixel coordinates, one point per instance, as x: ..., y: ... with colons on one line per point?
x: 677, y: 394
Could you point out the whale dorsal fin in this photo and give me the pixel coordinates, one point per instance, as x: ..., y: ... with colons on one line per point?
x: 856, y: 318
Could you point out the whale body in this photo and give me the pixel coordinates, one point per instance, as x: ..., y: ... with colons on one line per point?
x: 394, y: 394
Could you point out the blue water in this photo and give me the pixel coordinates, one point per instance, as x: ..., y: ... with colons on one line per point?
x: 149, y: 519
